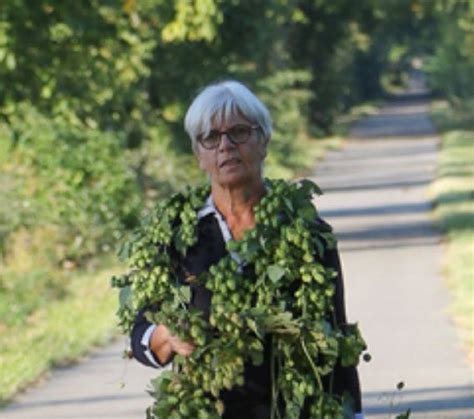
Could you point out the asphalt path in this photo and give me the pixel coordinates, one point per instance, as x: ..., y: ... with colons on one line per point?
x: 376, y: 197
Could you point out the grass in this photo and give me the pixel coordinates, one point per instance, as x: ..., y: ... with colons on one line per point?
x: 58, y: 333
x: 453, y: 192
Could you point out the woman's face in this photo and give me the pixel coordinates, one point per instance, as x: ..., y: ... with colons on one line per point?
x: 233, y: 165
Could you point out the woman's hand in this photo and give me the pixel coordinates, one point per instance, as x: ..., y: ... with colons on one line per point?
x: 180, y: 347
x: 164, y: 345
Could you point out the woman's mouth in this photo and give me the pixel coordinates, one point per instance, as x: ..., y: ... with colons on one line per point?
x: 230, y: 162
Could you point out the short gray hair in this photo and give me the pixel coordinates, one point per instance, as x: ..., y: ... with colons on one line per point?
x: 218, y: 102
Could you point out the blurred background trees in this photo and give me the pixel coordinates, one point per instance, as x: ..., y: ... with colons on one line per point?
x: 93, y: 94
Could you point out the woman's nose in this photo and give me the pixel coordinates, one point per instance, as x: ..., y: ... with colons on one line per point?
x: 225, y: 142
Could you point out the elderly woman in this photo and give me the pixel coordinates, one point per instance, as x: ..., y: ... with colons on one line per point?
x: 230, y: 129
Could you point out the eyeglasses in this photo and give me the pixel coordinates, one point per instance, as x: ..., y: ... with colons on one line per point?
x: 238, y: 134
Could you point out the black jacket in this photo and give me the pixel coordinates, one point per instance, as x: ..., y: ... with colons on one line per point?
x: 255, y: 393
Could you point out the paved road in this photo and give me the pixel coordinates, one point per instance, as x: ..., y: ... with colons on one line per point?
x: 376, y: 198
x: 101, y: 386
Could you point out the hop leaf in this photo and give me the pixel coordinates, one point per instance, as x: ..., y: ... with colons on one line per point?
x: 275, y: 273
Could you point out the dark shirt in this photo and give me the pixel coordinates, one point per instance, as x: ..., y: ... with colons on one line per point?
x: 255, y: 394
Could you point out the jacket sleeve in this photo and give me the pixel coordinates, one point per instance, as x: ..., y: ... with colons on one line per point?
x: 345, y: 379
x: 140, y: 337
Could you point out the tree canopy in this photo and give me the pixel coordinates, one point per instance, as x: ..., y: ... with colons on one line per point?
x: 93, y: 93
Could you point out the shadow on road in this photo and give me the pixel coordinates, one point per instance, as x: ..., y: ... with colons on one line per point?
x: 424, y: 400
x: 415, y: 207
x: 378, y: 185
x: 391, y: 231
x: 74, y: 401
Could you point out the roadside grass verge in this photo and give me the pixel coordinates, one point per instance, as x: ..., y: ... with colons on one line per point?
x: 453, y: 192
x: 58, y: 333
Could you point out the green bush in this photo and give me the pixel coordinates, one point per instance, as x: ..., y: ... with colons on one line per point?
x: 76, y: 178
x: 288, y: 151
x: 21, y: 293
x: 452, y: 65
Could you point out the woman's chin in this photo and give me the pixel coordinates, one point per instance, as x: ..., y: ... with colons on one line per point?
x: 233, y: 179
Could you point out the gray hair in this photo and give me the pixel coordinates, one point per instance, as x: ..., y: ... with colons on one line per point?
x: 220, y: 101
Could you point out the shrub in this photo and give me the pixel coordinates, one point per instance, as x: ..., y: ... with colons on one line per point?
x: 73, y: 177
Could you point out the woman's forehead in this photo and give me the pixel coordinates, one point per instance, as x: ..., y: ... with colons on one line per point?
x: 221, y: 119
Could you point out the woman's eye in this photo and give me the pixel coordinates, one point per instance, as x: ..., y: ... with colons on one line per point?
x: 213, y: 136
x: 239, y: 131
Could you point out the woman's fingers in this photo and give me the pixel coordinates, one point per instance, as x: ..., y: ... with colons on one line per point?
x: 164, y: 343
x: 180, y: 347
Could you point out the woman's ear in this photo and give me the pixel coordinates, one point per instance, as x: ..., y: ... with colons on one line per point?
x: 199, y: 160
x: 263, y: 147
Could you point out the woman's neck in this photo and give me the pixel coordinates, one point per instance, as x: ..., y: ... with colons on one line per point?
x: 236, y: 205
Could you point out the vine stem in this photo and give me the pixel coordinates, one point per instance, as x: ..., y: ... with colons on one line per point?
x: 304, y: 306
x: 316, y: 373
x: 274, y: 413
x: 313, y: 367
x: 331, y: 378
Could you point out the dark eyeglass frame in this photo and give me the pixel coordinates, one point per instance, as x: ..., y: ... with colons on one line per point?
x: 228, y: 132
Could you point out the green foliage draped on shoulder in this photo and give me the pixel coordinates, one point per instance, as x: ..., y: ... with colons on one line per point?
x: 271, y: 288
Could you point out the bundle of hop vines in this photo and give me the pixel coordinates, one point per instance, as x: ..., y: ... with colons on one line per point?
x: 279, y: 293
